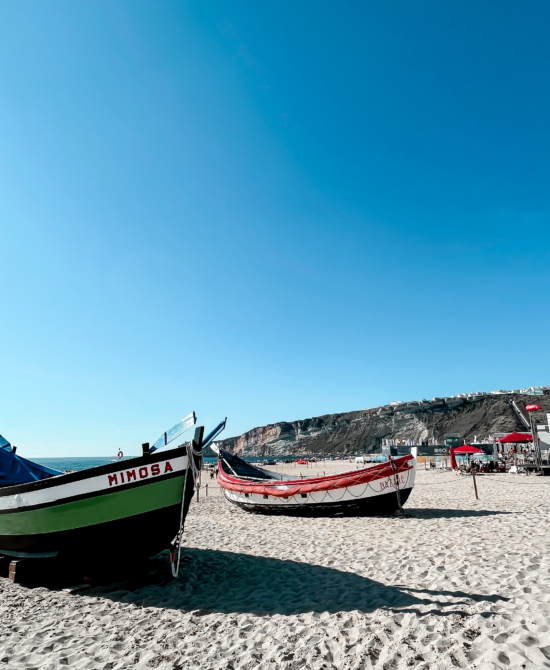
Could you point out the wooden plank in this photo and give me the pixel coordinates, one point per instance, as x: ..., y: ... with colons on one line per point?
x: 17, y: 569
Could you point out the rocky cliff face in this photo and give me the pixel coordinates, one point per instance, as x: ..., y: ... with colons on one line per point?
x: 478, y: 415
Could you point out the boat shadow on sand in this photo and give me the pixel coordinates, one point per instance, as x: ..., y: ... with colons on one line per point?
x: 434, y: 513
x: 221, y: 581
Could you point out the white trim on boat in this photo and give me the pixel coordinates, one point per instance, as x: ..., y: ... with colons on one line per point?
x: 105, y: 482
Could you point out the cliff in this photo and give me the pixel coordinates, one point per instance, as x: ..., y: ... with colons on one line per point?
x: 362, y: 431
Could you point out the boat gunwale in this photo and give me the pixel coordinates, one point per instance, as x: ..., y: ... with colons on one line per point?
x: 96, y: 471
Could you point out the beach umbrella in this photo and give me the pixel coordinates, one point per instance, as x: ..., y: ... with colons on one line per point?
x: 468, y: 449
x: 517, y: 437
x: 453, y: 459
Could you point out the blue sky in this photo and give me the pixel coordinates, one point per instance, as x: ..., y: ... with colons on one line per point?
x: 268, y: 211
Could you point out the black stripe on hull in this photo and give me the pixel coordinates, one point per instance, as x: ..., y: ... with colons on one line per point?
x: 372, y: 506
x: 132, y: 537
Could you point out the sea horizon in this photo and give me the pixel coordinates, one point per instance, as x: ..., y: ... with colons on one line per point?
x: 63, y: 463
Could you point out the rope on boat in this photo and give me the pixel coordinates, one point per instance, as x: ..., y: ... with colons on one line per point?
x: 397, y: 490
x: 175, y: 555
x: 336, y: 483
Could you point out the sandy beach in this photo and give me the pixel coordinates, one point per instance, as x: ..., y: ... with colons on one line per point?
x: 457, y: 583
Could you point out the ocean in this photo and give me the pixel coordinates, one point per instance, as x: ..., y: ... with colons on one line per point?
x: 85, y: 462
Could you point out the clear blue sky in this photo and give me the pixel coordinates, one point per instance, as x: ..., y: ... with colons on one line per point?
x: 268, y: 211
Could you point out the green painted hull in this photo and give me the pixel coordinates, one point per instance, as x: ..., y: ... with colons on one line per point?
x: 92, y: 511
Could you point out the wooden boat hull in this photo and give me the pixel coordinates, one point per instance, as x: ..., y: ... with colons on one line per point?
x: 378, y: 489
x: 376, y: 506
x: 123, y: 509
x: 138, y: 536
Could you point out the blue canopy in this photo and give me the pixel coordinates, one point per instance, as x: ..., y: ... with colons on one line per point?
x: 17, y: 470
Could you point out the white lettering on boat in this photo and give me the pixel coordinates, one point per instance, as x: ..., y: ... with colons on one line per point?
x: 144, y: 472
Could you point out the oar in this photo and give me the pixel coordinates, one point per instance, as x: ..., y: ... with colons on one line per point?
x: 214, y: 434
x: 167, y: 437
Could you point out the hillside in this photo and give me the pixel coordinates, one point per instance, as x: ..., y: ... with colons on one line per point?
x: 361, y: 431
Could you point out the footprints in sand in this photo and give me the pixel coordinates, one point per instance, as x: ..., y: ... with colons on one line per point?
x: 459, y: 584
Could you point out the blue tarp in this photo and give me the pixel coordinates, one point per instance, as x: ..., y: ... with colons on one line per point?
x: 17, y: 470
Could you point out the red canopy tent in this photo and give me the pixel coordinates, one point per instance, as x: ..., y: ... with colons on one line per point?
x: 517, y: 437
x: 467, y: 449
x: 462, y: 451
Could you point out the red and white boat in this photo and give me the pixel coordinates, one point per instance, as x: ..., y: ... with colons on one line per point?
x: 381, y: 488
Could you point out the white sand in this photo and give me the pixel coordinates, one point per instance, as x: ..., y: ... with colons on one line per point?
x: 463, y: 583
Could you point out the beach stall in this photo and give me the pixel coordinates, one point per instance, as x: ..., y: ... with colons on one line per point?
x: 510, y: 443
x: 528, y: 458
x: 467, y: 450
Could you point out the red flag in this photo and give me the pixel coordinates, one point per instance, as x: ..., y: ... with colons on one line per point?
x: 453, y: 459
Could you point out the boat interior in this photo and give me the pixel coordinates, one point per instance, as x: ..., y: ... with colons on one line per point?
x: 17, y: 470
x: 233, y: 465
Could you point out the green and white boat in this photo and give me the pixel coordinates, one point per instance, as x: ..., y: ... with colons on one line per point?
x: 132, y: 508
